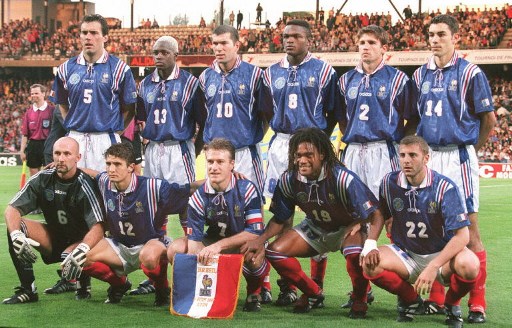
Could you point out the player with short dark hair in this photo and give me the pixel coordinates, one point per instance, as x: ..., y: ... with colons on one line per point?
x: 375, y: 100
x: 73, y: 212
x: 456, y: 116
x: 35, y: 129
x: 298, y: 92
x: 430, y: 233
x: 231, y: 88
x: 137, y: 209
x: 96, y: 94
x: 223, y: 214
x: 335, y: 201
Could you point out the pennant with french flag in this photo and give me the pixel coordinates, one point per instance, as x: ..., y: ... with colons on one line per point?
x: 206, y: 291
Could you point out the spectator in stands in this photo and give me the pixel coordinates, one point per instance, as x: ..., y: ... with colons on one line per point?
x: 239, y: 19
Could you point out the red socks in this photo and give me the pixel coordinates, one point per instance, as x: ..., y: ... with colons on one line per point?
x: 318, y: 267
x: 158, y: 275
x: 289, y: 268
x: 360, y: 284
x: 103, y: 272
x: 394, y: 284
x: 476, y: 300
x: 458, y: 288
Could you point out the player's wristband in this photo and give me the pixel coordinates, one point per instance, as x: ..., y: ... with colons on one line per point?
x: 369, y: 245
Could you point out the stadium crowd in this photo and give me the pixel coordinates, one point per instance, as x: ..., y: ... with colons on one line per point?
x: 480, y: 29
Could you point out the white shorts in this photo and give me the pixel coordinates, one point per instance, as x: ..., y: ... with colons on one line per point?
x: 416, y: 263
x: 173, y: 161
x: 248, y: 162
x: 371, y: 162
x: 460, y: 164
x: 92, y: 146
x: 277, y: 162
x: 129, y: 256
x: 322, y: 241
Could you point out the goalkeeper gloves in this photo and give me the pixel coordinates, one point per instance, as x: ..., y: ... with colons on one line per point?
x: 73, y: 264
x: 22, y: 247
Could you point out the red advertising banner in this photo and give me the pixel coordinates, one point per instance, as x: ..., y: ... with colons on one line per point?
x: 495, y: 170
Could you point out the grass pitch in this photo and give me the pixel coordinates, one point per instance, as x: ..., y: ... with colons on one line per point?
x: 63, y: 311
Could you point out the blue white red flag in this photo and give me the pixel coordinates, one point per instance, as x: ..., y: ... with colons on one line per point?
x: 205, y: 291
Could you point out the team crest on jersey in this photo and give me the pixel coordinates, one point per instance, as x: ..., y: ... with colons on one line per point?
x: 352, y: 93
x: 211, y: 90
x: 279, y: 83
x: 425, y: 87
x: 174, y: 96
x: 382, y: 93
x: 74, y: 78
x: 139, y: 208
x: 302, y: 197
x: 49, y: 195
x: 210, y: 213
x: 453, y: 85
x: 311, y: 81
x: 46, y: 124
x: 237, y: 210
x: 104, y: 78
x: 241, y: 89
x: 398, y: 204
x: 110, y: 205
x: 150, y: 97
x: 432, y: 208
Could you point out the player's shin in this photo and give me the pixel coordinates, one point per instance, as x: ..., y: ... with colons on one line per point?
x: 290, y: 269
x: 103, y: 272
x: 318, y: 267
x: 476, y: 299
x: 394, y: 284
x: 25, y: 271
x: 459, y: 287
x: 360, y: 284
x: 158, y: 274
x: 255, y: 277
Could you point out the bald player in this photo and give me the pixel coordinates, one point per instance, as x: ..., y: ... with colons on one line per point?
x: 73, y: 214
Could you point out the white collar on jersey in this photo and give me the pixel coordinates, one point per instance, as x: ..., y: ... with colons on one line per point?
x: 432, y: 63
x: 103, y: 58
x: 215, y: 65
x: 131, y: 187
x: 359, y: 67
x: 320, y: 177
x: 174, y: 74
x: 427, y: 181
x: 209, y: 189
x: 42, y: 108
x: 286, y: 64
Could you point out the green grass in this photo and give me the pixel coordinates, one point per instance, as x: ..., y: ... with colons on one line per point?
x: 64, y: 311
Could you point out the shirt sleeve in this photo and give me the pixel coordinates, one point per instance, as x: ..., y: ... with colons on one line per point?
x: 331, y: 96
x: 453, y: 211
x: 253, y: 216
x: 59, y: 94
x: 283, y: 204
x: 479, y: 93
x: 92, y: 206
x: 173, y: 197
x: 128, y: 88
x: 140, y: 109
x: 196, y: 217
x: 360, y: 200
x: 25, y: 201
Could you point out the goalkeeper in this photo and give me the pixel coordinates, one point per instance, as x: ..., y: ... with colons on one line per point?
x: 74, y: 217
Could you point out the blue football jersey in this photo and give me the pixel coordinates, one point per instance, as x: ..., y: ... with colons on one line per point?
x: 373, y: 105
x: 424, y: 218
x: 337, y: 199
x: 232, y: 110
x: 94, y: 93
x: 225, y: 213
x: 139, y: 213
x: 300, y: 96
x: 169, y: 107
x: 449, y: 101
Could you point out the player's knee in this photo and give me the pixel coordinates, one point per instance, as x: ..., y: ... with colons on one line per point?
x: 467, y: 265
